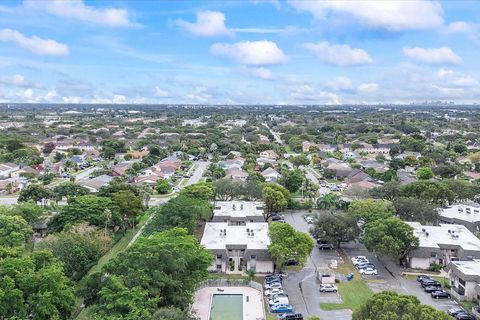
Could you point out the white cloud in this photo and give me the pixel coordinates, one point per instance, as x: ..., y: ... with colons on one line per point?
x: 442, y: 55
x: 208, y: 24
x: 454, y: 79
x: 262, y: 52
x: 34, y: 44
x: 262, y: 73
x: 51, y: 95
x: 471, y: 30
x: 159, y: 92
x: 118, y: 98
x: 392, y: 15
x: 200, y: 95
x: 339, y: 84
x: 72, y: 99
x: 26, y: 94
x: 77, y: 10
x: 367, y: 88
x: 18, y: 80
x: 339, y: 55
x: 306, y: 93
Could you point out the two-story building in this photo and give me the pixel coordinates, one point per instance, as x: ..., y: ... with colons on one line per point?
x: 467, y: 214
x: 238, y: 238
x: 465, y: 279
x: 442, y: 244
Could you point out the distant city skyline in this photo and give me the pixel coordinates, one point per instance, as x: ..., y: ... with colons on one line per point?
x: 239, y: 52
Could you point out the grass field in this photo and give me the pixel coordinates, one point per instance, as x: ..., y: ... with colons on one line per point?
x: 354, y: 293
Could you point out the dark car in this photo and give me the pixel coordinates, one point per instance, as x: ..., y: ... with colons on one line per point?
x: 455, y: 310
x: 326, y: 246
x: 292, y: 262
x: 295, y: 316
x: 423, y: 277
x: 430, y: 283
x: 440, y: 294
x: 464, y: 316
x: 272, y: 280
x: 431, y: 289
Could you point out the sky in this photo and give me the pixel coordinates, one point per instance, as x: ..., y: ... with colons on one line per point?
x: 239, y: 52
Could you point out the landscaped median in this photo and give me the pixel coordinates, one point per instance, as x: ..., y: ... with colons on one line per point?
x: 354, y: 293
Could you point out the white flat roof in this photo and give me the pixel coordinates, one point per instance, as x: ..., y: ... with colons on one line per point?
x: 238, y: 208
x: 470, y: 267
x: 439, y: 235
x: 214, y: 238
x: 465, y: 212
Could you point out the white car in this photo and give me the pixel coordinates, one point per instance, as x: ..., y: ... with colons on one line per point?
x: 309, y: 220
x: 368, y: 271
x: 273, y: 285
x: 328, y: 287
x: 359, y: 259
x: 271, y: 292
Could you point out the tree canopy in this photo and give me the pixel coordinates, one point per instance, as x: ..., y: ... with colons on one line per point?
x: 288, y: 243
x: 371, y: 209
x: 276, y: 198
x: 391, y: 237
x: 335, y: 227
x: 388, y: 305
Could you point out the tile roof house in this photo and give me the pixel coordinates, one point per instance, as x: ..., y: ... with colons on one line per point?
x: 96, y: 183
x: 237, y: 174
x: 270, y: 175
x: 269, y: 154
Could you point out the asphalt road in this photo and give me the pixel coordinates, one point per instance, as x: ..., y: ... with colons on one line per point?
x: 302, y: 287
x: 200, y: 168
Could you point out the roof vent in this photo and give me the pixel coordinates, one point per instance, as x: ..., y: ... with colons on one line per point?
x: 426, y: 234
x: 234, y: 207
x: 241, y: 206
x: 423, y: 229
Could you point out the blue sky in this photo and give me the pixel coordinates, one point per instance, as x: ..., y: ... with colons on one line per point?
x: 227, y: 52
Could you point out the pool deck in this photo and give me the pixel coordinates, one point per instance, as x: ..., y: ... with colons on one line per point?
x: 252, y: 310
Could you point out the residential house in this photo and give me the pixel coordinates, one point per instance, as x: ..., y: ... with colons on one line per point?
x: 96, y: 183
x: 140, y: 154
x: 238, y: 212
x: 120, y: 169
x: 374, y: 164
x: 6, y: 169
x: 472, y: 175
x: 237, y: 174
x: 269, y: 154
x: 442, y: 244
x: 270, y: 175
x: 231, y: 163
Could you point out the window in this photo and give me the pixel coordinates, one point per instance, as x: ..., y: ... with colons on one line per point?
x: 433, y: 254
x: 253, y: 257
x: 219, y: 256
x: 461, y: 281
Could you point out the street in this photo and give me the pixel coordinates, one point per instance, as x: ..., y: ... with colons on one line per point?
x: 201, y: 166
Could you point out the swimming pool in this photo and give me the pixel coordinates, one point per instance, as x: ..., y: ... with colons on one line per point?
x: 227, y: 307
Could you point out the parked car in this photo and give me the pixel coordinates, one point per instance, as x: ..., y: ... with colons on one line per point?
x: 431, y: 289
x: 272, y: 292
x: 423, y: 277
x: 464, y: 316
x: 272, y: 280
x: 292, y: 262
x: 440, y: 295
x: 309, y: 220
x: 277, y: 218
x: 368, y: 271
x: 358, y: 258
x: 365, y: 265
x: 273, y: 285
x: 278, y: 300
x: 455, y: 310
x: 281, y: 308
x: 326, y: 246
x: 328, y: 287
x: 360, y: 261
x: 430, y: 283
x: 294, y: 316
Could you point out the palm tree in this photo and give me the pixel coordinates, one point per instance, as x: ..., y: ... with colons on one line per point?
x: 328, y: 201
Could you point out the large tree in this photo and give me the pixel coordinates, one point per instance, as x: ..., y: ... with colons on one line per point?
x: 79, y: 248
x: 288, y: 243
x: 14, y: 231
x: 163, y: 186
x: 434, y: 192
x: 90, y: 209
x: 34, y: 192
x: 300, y: 160
x: 162, y: 270
x: 227, y: 189
x: 276, y: 199
x: 391, y: 237
x: 129, y: 205
x: 68, y: 190
x: 413, y: 209
x: 202, y: 190
x: 335, y: 227
x: 29, y: 211
x: 182, y: 211
x: 424, y: 173
x: 33, y: 286
x: 371, y: 209
x: 388, y: 305
x: 292, y: 179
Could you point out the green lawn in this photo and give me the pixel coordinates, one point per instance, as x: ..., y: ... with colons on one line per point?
x: 354, y: 293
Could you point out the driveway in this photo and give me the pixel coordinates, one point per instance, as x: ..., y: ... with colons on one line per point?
x: 302, y: 286
x: 201, y: 166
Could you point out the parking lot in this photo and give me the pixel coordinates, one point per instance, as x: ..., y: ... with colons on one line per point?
x: 303, y: 287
